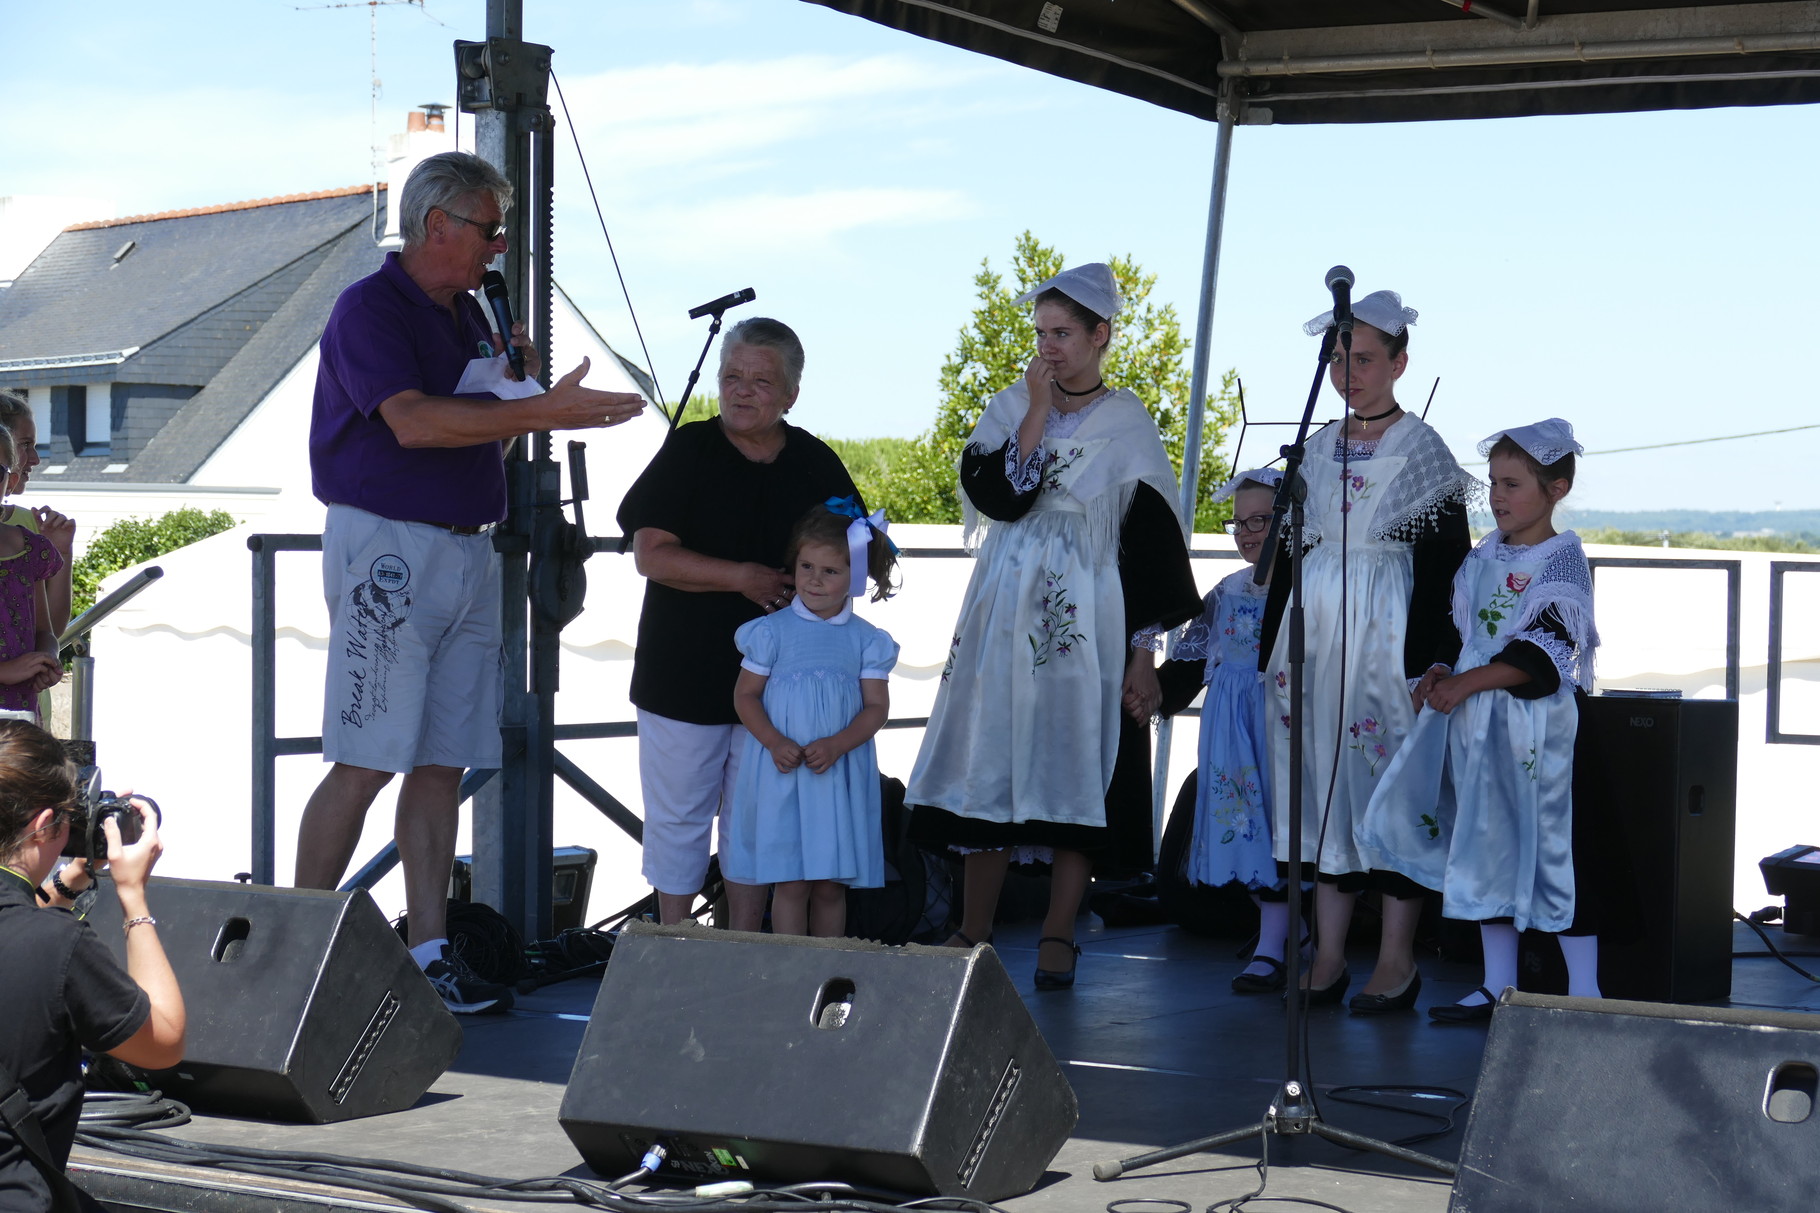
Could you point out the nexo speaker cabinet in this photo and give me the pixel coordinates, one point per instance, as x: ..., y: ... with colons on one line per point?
x: 786, y: 1059
x: 1615, y: 1107
x: 302, y: 1005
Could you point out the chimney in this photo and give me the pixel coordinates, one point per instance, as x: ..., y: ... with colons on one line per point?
x: 424, y: 134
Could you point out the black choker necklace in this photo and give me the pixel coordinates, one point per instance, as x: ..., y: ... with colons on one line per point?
x: 1098, y: 387
x: 1365, y: 422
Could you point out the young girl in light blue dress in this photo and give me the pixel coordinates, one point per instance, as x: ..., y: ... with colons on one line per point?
x: 1232, y: 810
x: 1479, y: 801
x: 806, y: 814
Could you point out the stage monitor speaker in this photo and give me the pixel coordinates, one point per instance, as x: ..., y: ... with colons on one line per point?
x: 1612, y: 1107
x: 1671, y: 768
x: 302, y: 1005
x: 789, y: 1059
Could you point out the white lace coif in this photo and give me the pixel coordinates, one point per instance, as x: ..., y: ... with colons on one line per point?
x: 1090, y: 285
x: 1382, y: 310
x: 1270, y: 478
x: 1546, y: 441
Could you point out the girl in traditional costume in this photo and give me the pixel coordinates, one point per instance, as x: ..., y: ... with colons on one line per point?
x: 1232, y: 811
x: 806, y: 816
x: 1386, y: 528
x: 1479, y: 800
x: 1081, y: 565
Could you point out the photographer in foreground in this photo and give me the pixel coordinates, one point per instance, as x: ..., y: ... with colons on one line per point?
x: 63, y: 991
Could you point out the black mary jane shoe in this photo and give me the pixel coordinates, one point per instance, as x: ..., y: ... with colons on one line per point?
x: 1327, y: 995
x: 1456, y: 1012
x: 1261, y: 983
x: 1383, y: 1004
x: 1057, y: 979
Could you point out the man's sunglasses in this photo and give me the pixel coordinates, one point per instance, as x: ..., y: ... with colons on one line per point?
x: 492, y: 231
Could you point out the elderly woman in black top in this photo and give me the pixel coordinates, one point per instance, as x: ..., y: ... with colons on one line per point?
x: 709, y: 519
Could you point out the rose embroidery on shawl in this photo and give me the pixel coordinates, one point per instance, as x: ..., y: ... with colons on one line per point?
x: 1503, y: 603
x: 1358, y: 488
x: 1055, y: 465
x: 1057, y: 634
x: 1233, y: 798
x: 1368, y: 734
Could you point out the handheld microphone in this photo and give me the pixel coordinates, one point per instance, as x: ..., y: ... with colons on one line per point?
x: 723, y: 303
x: 1339, y: 281
x: 493, y: 284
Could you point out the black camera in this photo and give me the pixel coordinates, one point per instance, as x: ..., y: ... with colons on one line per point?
x: 87, y: 840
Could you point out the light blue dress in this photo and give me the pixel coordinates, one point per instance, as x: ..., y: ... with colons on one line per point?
x: 804, y: 826
x: 1232, y: 824
x: 1479, y: 803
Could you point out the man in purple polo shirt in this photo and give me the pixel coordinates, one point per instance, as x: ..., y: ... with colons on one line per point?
x: 414, y: 479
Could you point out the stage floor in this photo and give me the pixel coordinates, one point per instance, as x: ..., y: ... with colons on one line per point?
x: 1157, y: 1047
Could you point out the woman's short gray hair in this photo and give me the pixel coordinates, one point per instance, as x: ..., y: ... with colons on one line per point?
x: 441, y: 183
x: 762, y: 332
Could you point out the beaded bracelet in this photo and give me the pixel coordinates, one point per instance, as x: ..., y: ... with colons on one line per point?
x: 63, y: 890
x: 143, y: 919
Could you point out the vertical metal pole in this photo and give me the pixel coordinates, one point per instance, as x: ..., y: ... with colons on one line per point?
x: 264, y: 861
x: 1197, y: 411
x: 512, y: 814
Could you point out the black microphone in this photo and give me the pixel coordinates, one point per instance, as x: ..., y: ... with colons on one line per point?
x: 493, y: 284
x: 723, y: 303
x: 1339, y: 281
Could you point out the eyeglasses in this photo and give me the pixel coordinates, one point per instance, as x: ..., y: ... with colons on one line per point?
x: 1252, y: 525
x: 492, y: 231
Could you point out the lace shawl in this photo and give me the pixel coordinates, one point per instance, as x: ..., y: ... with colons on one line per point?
x: 1429, y: 480
x: 1134, y: 453
x: 1563, y: 590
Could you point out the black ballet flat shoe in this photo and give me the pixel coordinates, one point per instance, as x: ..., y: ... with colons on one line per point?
x: 1455, y: 1012
x: 1383, y: 1004
x: 1058, y: 979
x: 1261, y: 983
x: 1327, y: 995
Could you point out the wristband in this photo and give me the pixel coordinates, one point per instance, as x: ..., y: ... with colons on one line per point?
x: 63, y: 890
x: 142, y: 920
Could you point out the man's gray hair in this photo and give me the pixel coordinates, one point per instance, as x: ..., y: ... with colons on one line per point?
x: 762, y: 332
x: 442, y: 183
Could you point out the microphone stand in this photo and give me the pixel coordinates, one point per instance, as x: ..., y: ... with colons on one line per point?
x: 1292, y: 1112
x: 713, y: 332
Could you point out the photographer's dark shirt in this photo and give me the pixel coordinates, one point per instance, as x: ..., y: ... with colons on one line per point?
x: 62, y: 991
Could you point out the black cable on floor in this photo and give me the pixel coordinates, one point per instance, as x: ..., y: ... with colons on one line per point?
x: 433, y: 1187
x: 1446, y: 1120
x: 1773, y: 949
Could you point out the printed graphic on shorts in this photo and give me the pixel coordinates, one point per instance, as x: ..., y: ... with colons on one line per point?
x: 376, y: 608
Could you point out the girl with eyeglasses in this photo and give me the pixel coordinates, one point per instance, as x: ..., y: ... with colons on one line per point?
x: 1232, y: 842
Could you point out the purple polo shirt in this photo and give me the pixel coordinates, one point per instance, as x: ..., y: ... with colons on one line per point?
x: 386, y: 336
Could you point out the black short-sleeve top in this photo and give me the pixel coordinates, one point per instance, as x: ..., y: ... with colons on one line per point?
x: 63, y: 991
x: 717, y: 503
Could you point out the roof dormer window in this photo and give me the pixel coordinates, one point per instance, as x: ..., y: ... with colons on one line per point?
x: 121, y: 253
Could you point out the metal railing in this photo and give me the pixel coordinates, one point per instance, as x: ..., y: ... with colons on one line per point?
x: 268, y: 747
x: 1772, y: 725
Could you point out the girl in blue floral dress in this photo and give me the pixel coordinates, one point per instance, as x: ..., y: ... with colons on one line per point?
x: 806, y: 814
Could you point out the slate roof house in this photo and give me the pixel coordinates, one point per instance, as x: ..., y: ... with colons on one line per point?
x: 143, y: 343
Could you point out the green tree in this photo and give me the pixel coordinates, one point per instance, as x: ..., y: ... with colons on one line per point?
x: 134, y: 541
x: 1148, y: 355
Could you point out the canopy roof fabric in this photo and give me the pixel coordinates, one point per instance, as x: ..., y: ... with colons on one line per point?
x: 1321, y: 61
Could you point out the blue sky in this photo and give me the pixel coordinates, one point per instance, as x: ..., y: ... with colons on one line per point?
x: 1650, y: 277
